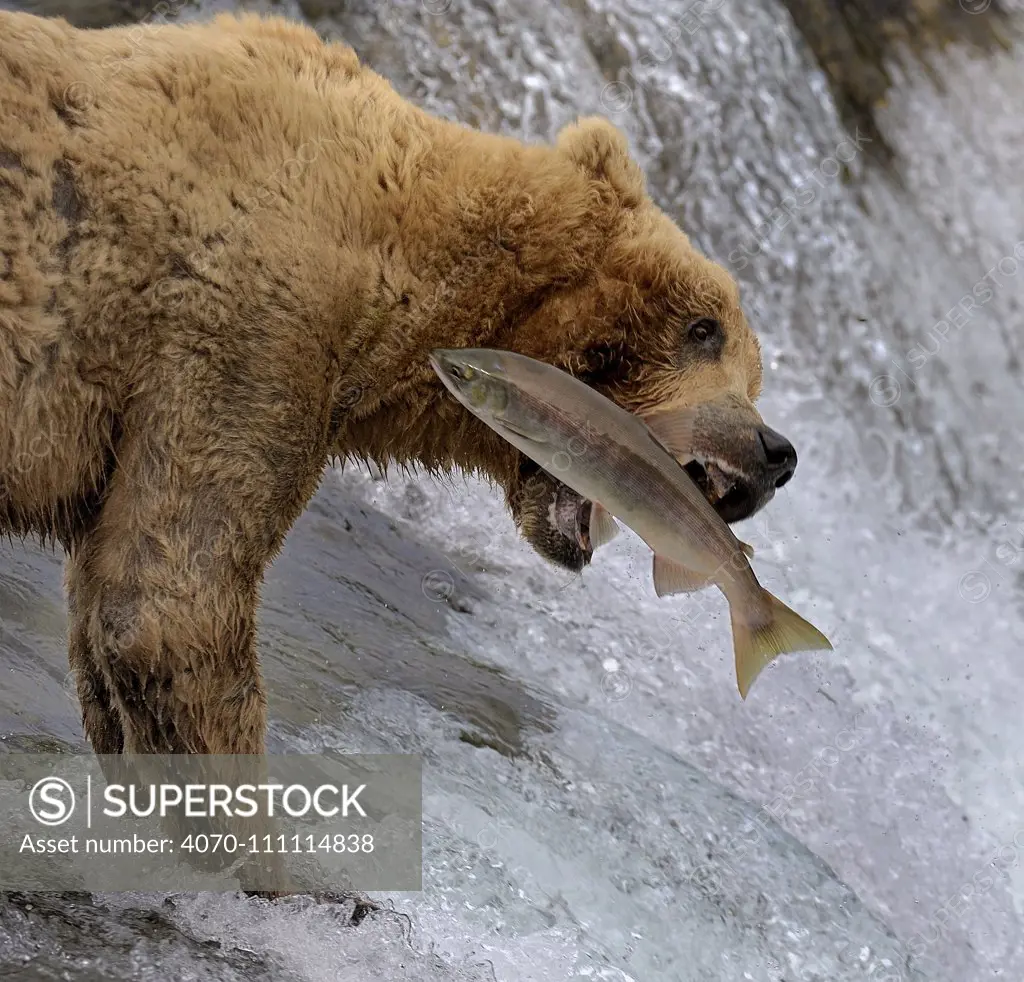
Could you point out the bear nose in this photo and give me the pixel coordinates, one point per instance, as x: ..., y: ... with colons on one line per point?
x: 780, y: 455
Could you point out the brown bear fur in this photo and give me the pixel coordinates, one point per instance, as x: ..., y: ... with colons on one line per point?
x: 225, y: 252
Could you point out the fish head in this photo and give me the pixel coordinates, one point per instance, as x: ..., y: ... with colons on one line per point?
x: 552, y: 517
x: 475, y: 377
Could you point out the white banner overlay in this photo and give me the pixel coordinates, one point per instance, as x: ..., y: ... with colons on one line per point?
x: 266, y: 824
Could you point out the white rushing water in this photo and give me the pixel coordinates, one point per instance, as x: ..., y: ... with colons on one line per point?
x: 861, y: 815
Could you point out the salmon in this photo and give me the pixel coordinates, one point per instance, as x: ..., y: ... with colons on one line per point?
x: 614, y: 459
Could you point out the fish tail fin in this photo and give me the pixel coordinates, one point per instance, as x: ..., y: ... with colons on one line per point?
x: 758, y: 644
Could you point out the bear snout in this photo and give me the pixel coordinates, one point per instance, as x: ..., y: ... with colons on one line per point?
x: 780, y: 456
x: 741, y: 475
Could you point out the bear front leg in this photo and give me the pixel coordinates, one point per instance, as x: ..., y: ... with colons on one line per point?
x: 166, y: 583
x: 169, y: 615
x: 169, y: 622
x: 101, y: 719
x: 166, y: 578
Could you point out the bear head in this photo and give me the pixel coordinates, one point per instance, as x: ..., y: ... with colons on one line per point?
x: 655, y: 326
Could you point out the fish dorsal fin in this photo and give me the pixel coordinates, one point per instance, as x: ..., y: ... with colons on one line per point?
x: 671, y: 577
x: 603, y: 527
x: 673, y: 430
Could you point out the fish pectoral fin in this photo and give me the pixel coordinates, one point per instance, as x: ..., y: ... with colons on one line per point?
x: 748, y: 549
x: 671, y: 577
x: 603, y: 527
x: 674, y: 430
x: 534, y: 437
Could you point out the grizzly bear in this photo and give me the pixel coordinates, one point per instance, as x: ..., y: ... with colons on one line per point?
x: 226, y: 250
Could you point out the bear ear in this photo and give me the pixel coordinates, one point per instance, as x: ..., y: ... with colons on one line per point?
x: 602, y: 151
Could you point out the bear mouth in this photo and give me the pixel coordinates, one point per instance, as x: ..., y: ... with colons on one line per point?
x: 732, y: 494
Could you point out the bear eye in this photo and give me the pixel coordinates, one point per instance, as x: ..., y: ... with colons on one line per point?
x: 704, y: 330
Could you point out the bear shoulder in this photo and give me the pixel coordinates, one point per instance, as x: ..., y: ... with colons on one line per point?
x: 296, y: 44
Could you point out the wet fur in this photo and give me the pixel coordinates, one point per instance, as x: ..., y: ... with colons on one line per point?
x: 225, y: 251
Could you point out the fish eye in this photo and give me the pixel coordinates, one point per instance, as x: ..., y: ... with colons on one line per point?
x: 461, y: 374
x: 704, y: 330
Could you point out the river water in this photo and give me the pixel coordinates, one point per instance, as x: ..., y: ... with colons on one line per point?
x: 591, y: 778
